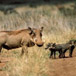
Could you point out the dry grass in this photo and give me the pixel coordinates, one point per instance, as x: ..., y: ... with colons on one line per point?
x: 57, y: 28
x: 33, y: 65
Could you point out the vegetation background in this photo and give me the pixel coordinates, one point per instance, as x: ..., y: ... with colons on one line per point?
x: 58, y: 17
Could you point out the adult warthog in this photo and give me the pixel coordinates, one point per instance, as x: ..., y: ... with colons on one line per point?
x: 21, y: 38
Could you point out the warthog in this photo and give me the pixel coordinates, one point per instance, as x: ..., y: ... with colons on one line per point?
x: 69, y: 46
x: 53, y: 48
x: 21, y: 38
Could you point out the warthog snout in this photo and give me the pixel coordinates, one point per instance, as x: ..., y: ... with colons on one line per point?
x: 50, y: 46
x: 39, y: 45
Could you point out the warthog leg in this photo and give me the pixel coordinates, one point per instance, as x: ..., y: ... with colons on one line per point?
x: 0, y: 51
x: 64, y: 51
x: 51, y: 54
x: 24, y: 50
x: 0, y: 48
x: 71, y: 51
x: 54, y: 54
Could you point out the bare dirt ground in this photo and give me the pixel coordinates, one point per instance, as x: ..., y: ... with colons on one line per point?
x: 57, y: 67
x: 63, y: 67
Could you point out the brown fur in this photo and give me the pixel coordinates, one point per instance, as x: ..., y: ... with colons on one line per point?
x: 20, y: 38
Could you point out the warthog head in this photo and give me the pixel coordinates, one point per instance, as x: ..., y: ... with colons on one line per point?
x: 36, y: 36
x: 50, y: 45
x: 72, y: 42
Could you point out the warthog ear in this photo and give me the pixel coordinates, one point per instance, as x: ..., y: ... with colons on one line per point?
x: 54, y: 44
x: 42, y: 29
x: 30, y: 30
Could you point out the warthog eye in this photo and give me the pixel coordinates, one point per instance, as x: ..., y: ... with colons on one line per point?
x: 33, y: 35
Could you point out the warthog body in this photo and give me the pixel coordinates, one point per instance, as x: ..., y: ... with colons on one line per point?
x: 20, y: 38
